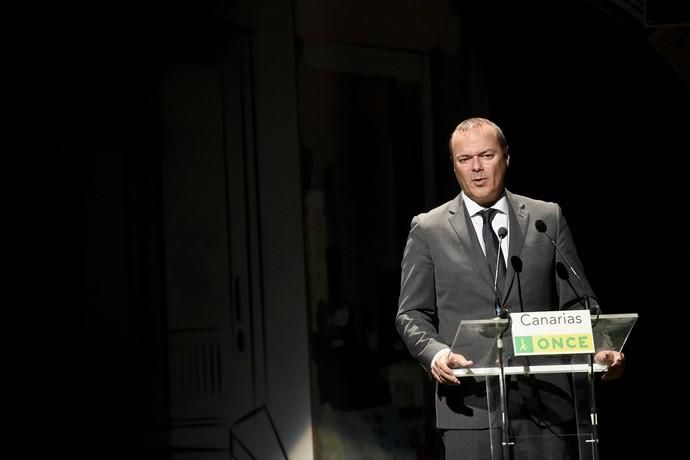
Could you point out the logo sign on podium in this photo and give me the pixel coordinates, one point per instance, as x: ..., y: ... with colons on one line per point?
x: 552, y: 332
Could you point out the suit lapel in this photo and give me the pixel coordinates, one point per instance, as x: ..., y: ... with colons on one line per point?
x: 460, y: 220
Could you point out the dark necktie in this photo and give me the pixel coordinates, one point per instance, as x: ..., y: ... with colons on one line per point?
x: 493, y: 249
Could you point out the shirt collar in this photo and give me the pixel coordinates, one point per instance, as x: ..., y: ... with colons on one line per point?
x: 473, y: 208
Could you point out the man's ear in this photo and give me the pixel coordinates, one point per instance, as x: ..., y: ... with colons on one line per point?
x: 507, y: 155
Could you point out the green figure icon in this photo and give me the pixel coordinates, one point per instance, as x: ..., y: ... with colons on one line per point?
x: 524, y: 345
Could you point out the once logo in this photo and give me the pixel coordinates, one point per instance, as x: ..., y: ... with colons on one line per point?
x: 552, y: 343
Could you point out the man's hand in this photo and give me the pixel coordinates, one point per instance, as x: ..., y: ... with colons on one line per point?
x: 442, y: 370
x: 614, y: 360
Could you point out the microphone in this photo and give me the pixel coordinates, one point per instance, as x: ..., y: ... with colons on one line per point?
x: 500, y: 311
x: 560, y: 268
x: 516, y: 262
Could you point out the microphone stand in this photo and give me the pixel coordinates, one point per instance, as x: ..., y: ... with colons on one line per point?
x: 506, y: 436
x: 562, y: 273
x: 585, y: 302
x: 502, y: 313
x: 592, y: 396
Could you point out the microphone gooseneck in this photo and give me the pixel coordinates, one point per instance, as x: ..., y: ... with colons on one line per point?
x: 500, y: 311
x: 562, y: 273
x: 560, y: 268
x: 502, y: 233
x: 541, y: 228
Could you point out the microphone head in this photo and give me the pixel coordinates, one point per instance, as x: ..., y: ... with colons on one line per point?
x: 540, y: 225
x: 516, y: 262
x: 502, y: 232
x: 562, y: 272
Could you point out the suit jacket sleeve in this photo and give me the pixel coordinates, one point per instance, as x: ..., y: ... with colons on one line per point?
x: 417, y: 319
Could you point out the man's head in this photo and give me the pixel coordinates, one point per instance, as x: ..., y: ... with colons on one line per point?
x: 479, y: 153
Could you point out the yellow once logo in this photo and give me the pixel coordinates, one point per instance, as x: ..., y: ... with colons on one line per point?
x: 569, y: 343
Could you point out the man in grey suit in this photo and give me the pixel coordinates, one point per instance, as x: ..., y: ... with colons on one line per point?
x: 446, y: 278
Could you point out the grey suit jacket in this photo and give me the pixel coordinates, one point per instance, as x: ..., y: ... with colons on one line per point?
x: 445, y: 279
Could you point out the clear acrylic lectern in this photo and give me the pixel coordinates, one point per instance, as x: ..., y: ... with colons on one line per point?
x: 517, y: 384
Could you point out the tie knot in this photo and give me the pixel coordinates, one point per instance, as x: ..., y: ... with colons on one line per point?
x: 488, y: 214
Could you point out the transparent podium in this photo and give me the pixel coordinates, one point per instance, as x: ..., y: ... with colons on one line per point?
x: 554, y: 392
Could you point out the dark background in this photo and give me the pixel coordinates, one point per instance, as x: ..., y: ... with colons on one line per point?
x: 593, y: 99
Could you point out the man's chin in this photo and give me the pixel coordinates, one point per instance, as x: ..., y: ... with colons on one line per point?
x: 484, y: 199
